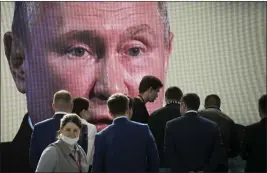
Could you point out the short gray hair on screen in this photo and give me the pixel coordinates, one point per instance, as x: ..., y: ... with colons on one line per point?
x: 25, y: 15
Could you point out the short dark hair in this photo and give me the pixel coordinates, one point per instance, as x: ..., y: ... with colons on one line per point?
x: 149, y: 82
x: 80, y: 104
x: 213, y: 99
x: 118, y: 104
x: 173, y: 93
x: 191, y: 100
x: 70, y: 118
x: 262, y: 104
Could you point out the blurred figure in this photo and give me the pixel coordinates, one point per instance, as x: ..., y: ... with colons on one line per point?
x: 65, y: 155
x: 193, y: 143
x: 81, y: 108
x: 226, y: 124
x: 254, y: 146
x: 45, y: 132
x: 158, y: 119
x: 124, y: 146
x: 148, y: 92
x: 237, y: 164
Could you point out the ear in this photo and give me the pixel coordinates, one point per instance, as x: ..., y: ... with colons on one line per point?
x: 54, y: 106
x: 168, y: 52
x: 15, y: 56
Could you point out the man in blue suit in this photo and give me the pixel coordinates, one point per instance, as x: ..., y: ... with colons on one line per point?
x: 124, y: 146
x: 45, y: 132
x: 193, y: 143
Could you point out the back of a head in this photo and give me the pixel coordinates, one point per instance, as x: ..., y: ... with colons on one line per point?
x: 262, y: 105
x: 149, y: 82
x: 173, y: 93
x: 118, y: 104
x: 62, y: 100
x: 212, y: 100
x: 80, y: 104
x: 191, y: 100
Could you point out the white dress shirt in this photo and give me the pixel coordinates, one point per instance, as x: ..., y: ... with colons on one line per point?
x: 91, y: 140
x: 190, y: 111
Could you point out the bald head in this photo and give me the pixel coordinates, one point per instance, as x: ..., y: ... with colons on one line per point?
x: 28, y: 13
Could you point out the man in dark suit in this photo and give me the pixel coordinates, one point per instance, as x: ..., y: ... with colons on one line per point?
x: 15, y: 154
x: 226, y: 125
x: 254, y: 148
x: 124, y: 146
x: 148, y: 92
x: 192, y: 143
x: 45, y: 132
x: 158, y: 119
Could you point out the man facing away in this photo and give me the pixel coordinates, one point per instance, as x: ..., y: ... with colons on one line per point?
x: 226, y: 125
x: 124, y: 146
x: 254, y: 147
x: 192, y: 143
x: 148, y: 92
x: 81, y: 108
x: 158, y: 119
x: 45, y: 132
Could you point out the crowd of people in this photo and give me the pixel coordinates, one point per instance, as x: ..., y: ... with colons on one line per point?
x: 175, y: 138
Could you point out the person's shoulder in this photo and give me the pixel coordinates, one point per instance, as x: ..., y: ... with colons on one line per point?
x: 253, y: 126
x: 175, y: 121
x: 207, y: 121
x: 43, y: 123
x: 137, y: 124
x: 91, y: 128
x: 137, y: 101
x: 157, y: 112
x: 51, y: 148
x: 104, y: 131
x: 89, y: 125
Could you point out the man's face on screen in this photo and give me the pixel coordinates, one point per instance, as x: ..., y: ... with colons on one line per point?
x: 94, y: 49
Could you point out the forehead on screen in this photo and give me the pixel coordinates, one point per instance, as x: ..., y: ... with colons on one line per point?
x: 28, y: 14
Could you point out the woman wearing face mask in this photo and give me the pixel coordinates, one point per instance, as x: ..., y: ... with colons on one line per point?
x: 65, y: 155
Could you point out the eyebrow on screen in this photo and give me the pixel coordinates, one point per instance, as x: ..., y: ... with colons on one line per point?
x: 138, y: 29
x: 84, y: 36
x: 93, y: 39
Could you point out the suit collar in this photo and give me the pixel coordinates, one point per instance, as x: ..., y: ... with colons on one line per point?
x: 60, y: 112
x: 120, y: 119
x: 59, y: 115
x: 191, y: 113
x: 173, y: 104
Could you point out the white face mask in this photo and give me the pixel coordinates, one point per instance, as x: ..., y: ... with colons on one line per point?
x: 70, y: 141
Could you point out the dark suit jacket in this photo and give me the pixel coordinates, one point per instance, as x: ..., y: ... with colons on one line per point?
x: 44, y: 133
x: 125, y: 146
x: 140, y: 113
x: 157, y: 123
x: 193, y: 143
x: 254, y: 150
x: 227, y: 128
x: 15, y: 154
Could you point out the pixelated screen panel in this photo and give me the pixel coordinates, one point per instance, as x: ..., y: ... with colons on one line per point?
x: 94, y: 49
